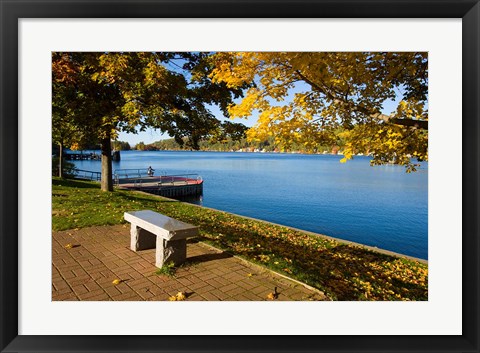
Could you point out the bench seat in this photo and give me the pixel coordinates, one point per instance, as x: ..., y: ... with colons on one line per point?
x: 153, y: 230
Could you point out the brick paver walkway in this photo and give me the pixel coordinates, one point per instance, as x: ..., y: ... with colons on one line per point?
x: 101, y: 254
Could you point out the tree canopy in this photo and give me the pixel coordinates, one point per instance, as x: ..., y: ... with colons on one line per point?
x: 104, y: 93
x: 316, y: 98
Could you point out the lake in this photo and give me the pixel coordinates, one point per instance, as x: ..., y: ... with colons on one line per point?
x: 380, y: 206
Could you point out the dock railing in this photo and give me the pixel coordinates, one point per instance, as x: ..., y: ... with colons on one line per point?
x: 171, y: 179
x: 129, y: 174
x: 140, y: 178
x: 88, y: 175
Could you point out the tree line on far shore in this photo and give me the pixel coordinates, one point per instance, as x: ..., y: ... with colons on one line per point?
x: 224, y: 145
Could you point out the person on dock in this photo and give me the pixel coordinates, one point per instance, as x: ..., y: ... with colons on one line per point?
x: 150, y: 171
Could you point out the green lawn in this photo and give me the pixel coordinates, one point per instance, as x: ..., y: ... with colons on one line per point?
x: 342, y: 271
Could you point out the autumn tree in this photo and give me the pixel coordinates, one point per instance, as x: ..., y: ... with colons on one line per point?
x: 112, y: 92
x: 121, y: 145
x: 314, y: 98
x: 66, y: 133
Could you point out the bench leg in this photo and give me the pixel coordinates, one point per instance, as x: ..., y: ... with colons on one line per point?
x: 170, y: 251
x: 140, y: 239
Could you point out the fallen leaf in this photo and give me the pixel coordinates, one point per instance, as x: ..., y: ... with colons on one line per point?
x: 180, y: 296
x: 270, y: 296
x: 68, y: 246
x: 116, y: 281
x: 249, y: 274
x: 273, y: 295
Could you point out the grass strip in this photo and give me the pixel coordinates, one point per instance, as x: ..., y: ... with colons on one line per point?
x: 343, y: 271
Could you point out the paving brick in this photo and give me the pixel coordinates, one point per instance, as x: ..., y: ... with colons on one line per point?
x: 104, y: 255
x: 235, y: 291
x: 92, y: 286
x: 228, y: 287
x: 62, y: 291
x: 252, y: 297
x: 80, y: 289
x: 145, y: 294
x: 80, y: 280
x: 66, y: 297
x: 206, y: 276
x: 91, y: 294
x: 185, y: 281
x: 60, y: 284
x: 127, y: 296
x: 112, y: 290
x: 219, y: 271
x: 68, y: 274
x: 204, y: 289
x: 247, y: 285
x: 261, y: 290
x: 209, y: 296
x: 159, y: 297
x: 216, y: 283
x: 197, y: 285
x: 139, y: 283
x: 194, y: 297
x: 242, y: 297
x: 221, y: 280
x: 220, y: 295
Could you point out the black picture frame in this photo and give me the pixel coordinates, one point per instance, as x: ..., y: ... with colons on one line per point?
x: 12, y: 11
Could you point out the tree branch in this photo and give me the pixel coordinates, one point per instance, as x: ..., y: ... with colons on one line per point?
x: 419, y: 124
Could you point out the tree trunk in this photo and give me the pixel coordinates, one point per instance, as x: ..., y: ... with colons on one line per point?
x: 106, y: 182
x: 60, y: 160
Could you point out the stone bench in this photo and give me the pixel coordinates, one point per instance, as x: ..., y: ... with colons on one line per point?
x: 151, y: 230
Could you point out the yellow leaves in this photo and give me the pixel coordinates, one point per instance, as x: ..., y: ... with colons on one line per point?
x: 68, y: 246
x: 130, y: 109
x: 411, y: 109
x: 234, y: 68
x: 273, y: 295
x: 116, y: 281
x: 264, y: 258
x: 254, y: 99
x: 154, y: 74
x: 333, y: 85
x: 180, y: 296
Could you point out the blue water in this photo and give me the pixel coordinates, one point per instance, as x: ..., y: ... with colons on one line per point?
x: 378, y: 206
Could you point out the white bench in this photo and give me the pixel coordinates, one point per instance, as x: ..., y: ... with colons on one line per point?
x: 151, y: 230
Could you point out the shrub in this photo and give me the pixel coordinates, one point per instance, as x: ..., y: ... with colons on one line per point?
x: 69, y: 169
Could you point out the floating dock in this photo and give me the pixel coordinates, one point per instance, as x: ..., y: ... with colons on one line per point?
x: 163, y: 185
x: 138, y: 179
